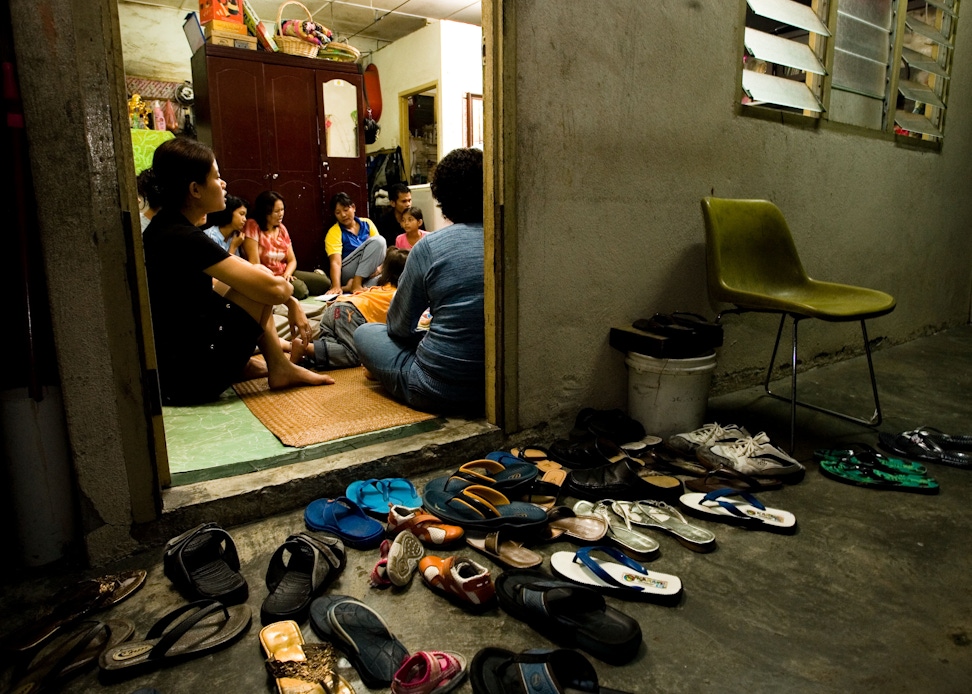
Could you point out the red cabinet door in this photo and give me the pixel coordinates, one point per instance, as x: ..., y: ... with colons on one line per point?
x: 238, y: 127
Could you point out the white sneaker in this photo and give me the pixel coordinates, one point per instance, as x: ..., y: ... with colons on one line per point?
x: 754, y: 456
x: 708, y: 435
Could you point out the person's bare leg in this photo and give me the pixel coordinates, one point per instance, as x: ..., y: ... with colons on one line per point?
x: 356, y: 283
x: 255, y: 368
x: 282, y: 373
x: 297, y: 350
x: 284, y: 345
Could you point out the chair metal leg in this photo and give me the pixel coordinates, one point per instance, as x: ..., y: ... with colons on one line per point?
x: 875, y: 418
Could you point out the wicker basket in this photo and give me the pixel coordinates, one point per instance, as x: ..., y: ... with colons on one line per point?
x: 339, y: 52
x: 291, y: 44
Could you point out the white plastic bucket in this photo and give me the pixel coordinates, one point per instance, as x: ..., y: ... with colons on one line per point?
x: 668, y: 396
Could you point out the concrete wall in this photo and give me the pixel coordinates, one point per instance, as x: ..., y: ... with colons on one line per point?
x: 621, y: 134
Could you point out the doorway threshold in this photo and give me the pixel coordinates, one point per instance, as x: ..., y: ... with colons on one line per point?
x: 255, y: 495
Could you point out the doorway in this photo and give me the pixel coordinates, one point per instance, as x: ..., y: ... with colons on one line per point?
x: 419, y: 124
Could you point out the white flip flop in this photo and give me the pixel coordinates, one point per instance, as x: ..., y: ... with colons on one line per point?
x: 619, y: 530
x: 658, y: 514
x: 735, y: 506
x: 624, y: 578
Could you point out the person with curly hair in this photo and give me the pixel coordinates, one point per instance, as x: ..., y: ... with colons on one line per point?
x: 440, y: 370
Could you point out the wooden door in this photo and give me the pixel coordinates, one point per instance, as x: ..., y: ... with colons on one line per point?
x: 238, y: 125
x: 342, y: 148
x: 294, y: 158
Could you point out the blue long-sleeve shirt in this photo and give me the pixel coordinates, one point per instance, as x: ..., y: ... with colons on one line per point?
x: 444, y: 273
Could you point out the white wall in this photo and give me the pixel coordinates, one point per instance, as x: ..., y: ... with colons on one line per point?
x: 403, y: 66
x: 153, y: 43
x: 462, y: 73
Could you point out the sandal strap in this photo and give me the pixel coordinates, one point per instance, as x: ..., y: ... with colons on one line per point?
x: 583, y: 556
x: 173, y: 564
x: 317, y: 666
x: 203, y: 608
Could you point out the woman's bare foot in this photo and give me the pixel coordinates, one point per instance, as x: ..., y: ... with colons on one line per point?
x: 289, y: 375
x: 284, y: 345
x: 297, y: 349
x: 255, y: 368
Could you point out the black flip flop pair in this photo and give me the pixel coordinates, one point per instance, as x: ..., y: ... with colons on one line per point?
x: 929, y: 445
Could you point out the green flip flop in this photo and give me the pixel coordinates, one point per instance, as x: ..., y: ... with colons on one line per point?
x: 874, y: 477
x: 862, y: 454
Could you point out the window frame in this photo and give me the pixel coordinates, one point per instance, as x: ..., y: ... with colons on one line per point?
x: 944, y: 13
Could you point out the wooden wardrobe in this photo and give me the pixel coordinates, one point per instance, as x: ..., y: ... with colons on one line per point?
x: 270, y: 118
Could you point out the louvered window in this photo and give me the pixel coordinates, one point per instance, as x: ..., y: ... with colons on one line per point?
x: 877, y: 64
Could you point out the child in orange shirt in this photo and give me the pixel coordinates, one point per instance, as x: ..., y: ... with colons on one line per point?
x: 335, y: 349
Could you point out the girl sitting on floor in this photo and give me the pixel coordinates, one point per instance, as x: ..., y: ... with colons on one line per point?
x: 205, y: 331
x: 335, y: 349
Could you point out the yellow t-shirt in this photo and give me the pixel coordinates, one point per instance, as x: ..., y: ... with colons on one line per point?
x: 334, y: 240
x: 373, y: 302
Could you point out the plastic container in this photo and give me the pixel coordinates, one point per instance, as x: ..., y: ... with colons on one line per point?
x: 669, y: 396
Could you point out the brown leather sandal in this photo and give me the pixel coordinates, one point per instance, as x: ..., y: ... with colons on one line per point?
x: 507, y: 552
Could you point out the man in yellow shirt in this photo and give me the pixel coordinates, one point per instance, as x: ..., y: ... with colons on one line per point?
x: 354, y: 247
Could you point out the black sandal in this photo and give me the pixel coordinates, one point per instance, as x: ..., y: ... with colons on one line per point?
x: 314, y: 561
x: 203, y: 564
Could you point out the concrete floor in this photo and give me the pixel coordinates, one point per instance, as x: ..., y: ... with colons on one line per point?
x: 872, y: 594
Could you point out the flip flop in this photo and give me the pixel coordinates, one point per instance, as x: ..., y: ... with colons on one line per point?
x: 723, y: 477
x: 504, y: 473
x: 849, y: 471
x: 623, y: 578
x: 203, y: 564
x: 186, y: 632
x: 564, y: 523
x: 429, y: 672
x: 734, y: 506
x: 70, y: 653
x: 658, y: 514
x: 344, y: 518
x: 375, y: 496
x: 300, y: 569
x: 482, y: 508
x: 862, y: 453
x: 362, y: 635
x: 930, y: 445
x: 73, y: 603
x: 498, y: 671
x: 506, y: 552
x: 300, y: 668
x: 619, y: 530
x: 569, y: 614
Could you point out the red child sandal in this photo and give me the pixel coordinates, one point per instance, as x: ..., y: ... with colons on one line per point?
x: 429, y: 672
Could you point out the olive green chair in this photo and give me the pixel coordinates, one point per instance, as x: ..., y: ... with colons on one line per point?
x: 752, y: 263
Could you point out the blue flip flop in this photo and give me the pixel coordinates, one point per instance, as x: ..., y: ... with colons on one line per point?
x: 344, y: 518
x: 376, y: 496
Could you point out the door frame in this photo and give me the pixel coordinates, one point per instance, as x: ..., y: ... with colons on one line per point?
x: 404, y: 134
